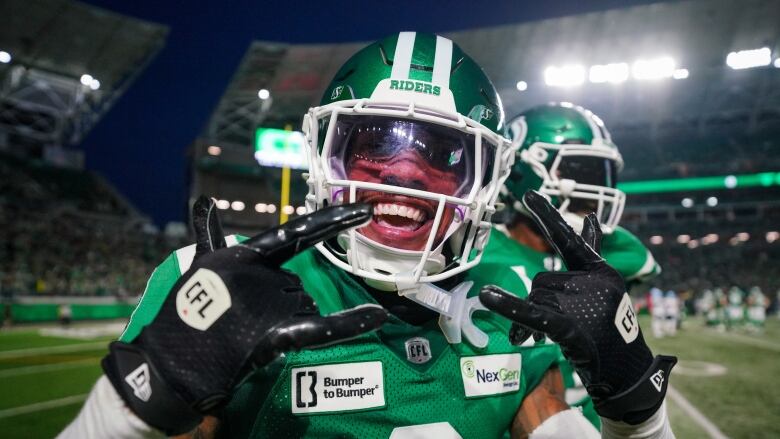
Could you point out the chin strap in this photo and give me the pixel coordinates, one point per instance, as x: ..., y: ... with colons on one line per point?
x: 454, y: 307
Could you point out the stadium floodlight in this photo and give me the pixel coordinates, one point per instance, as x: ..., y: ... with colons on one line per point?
x: 564, y: 76
x: 692, y: 243
x: 730, y: 181
x: 742, y: 236
x: 614, y: 73
x: 223, y: 204
x: 711, y: 238
x: 238, y: 206
x: 271, y: 208
x: 263, y: 94
x: 656, y: 240
x: 712, y: 201
x: 656, y: 68
x: 94, y: 84
x: 261, y: 208
x: 680, y: 74
x: 772, y: 236
x: 734, y: 240
x: 86, y: 79
x: 687, y: 202
x: 5, y: 57
x: 214, y: 150
x: 288, y: 210
x: 746, y: 59
x: 777, y: 63
x: 683, y: 239
x: 522, y: 86
x: 300, y: 210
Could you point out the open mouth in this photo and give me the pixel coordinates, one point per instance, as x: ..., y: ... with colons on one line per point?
x: 399, y: 221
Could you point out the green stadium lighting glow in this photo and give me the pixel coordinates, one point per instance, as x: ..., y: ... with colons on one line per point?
x: 763, y: 179
x: 280, y: 148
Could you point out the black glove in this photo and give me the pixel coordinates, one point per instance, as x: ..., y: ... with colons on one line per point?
x: 588, y: 313
x: 233, y: 309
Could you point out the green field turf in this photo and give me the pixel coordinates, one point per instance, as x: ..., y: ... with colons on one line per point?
x: 742, y: 403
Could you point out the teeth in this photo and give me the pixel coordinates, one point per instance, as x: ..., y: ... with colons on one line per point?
x: 399, y: 210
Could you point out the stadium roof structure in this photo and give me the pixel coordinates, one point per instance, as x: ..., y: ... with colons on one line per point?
x: 69, y: 62
x: 697, y: 35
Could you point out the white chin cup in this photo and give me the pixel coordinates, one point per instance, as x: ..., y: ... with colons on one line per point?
x: 381, y: 259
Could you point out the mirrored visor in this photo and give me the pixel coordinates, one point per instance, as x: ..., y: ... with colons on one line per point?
x: 406, y: 153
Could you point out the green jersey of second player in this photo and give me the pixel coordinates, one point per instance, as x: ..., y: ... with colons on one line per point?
x: 401, y: 381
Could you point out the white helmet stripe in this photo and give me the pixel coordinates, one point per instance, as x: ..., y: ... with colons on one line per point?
x: 402, y: 60
x: 442, y: 62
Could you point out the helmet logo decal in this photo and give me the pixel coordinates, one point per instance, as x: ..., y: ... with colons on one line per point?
x: 416, y: 86
x: 487, y: 113
x: 337, y: 92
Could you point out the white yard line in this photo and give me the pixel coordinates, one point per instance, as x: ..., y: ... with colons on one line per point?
x: 28, y: 370
x: 744, y: 339
x: 38, y: 406
x: 697, y: 416
x: 53, y: 349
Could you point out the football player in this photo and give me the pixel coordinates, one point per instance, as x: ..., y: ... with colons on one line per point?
x: 406, y: 161
x: 566, y: 153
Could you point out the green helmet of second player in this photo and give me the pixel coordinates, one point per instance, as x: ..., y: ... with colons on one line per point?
x: 566, y: 153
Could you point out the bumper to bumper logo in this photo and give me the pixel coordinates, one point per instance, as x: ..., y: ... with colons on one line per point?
x: 337, y: 387
x: 490, y: 374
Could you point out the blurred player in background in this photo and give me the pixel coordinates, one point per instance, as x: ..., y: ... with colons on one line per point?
x: 756, y: 309
x: 566, y: 153
x: 657, y: 311
x: 671, y: 306
x: 735, y: 311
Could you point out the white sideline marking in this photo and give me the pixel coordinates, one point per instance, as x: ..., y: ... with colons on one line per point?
x: 697, y: 416
x: 38, y: 406
x: 28, y: 370
x: 751, y: 341
x: 53, y: 349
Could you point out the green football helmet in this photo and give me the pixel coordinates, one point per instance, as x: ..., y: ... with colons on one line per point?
x: 565, y: 152
x: 412, y: 125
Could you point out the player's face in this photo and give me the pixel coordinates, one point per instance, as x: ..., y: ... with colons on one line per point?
x: 409, y: 155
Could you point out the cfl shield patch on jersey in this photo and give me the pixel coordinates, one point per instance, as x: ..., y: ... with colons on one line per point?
x: 337, y: 387
x: 485, y: 375
x: 418, y: 350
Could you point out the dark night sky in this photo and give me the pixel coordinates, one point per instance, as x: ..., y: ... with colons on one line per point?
x: 140, y: 144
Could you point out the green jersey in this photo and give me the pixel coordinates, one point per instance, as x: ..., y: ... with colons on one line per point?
x: 400, y: 381
x: 626, y: 254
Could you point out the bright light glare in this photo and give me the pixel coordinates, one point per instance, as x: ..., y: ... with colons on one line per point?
x: 263, y: 94
x: 522, y: 86
x: 223, y: 204
x: 683, y: 239
x: 95, y: 84
x: 214, y: 150
x: 745, y: 59
x: 772, y: 236
x: 271, y: 208
x: 86, y: 79
x: 656, y: 240
x: 564, y: 76
x: 261, y: 208
x: 710, y: 239
x: 777, y: 63
x: 614, y: 73
x: 5, y: 57
x: 680, y: 74
x: 288, y: 210
x: 712, y: 201
x: 730, y: 181
x: 238, y: 206
x: 743, y: 236
x: 300, y: 210
x: 657, y: 68
x: 687, y: 202
x: 693, y: 243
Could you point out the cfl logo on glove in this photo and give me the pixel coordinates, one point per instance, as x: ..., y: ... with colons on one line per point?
x: 202, y: 299
x: 625, y: 320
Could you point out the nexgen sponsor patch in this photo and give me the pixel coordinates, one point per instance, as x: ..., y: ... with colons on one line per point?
x: 490, y: 374
x: 337, y: 387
